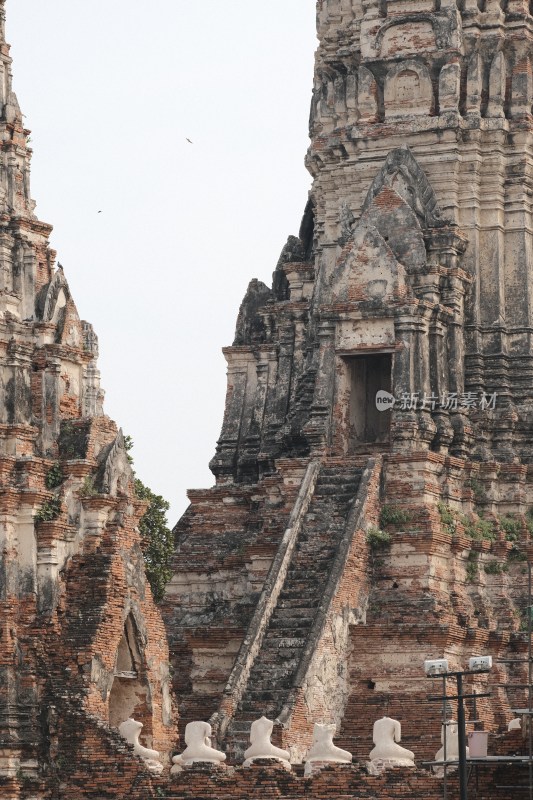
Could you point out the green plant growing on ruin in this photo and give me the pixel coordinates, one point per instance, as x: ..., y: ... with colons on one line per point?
x: 157, y: 539
x: 390, y: 515
x: 478, y: 490
x: 496, y: 567
x: 511, y: 527
x: 478, y: 529
x: 377, y: 538
x: 472, y: 566
x: 525, y: 613
x: 50, y: 510
x: 515, y: 554
x: 54, y: 477
x: 447, y: 517
x: 88, y: 488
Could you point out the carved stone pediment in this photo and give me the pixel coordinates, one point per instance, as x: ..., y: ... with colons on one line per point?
x: 117, y: 470
x: 369, y: 271
x: 57, y: 295
x: 402, y: 173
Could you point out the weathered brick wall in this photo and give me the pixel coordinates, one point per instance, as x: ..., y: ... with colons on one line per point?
x: 332, y: 783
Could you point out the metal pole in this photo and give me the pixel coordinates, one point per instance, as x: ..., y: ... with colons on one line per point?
x: 463, y: 775
x: 530, y: 681
x: 445, y: 739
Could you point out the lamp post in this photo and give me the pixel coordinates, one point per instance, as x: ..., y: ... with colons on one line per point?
x: 439, y: 669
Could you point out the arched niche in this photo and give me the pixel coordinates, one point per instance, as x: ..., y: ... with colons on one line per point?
x: 130, y: 694
x: 408, y: 90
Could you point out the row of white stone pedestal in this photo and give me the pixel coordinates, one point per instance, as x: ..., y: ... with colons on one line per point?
x: 198, y: 741
x: 386, y: 753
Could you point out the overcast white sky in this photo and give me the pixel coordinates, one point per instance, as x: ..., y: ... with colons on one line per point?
x: 111, y: 89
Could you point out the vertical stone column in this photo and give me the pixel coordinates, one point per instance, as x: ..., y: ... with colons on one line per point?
x: 403, y: 423
x: 421, y: 374
x: 439, y: 379
x: 51, y: 420
x: 29, y: 263
x: 6, y: 266
x: 248, y: 454
x: 318, y: 427
x: 224, y: 463
x: 277, y: 404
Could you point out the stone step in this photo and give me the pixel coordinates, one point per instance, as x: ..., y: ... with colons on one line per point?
x: 288, y: 633
x: 333, y: 476
x: 284, y: 660
x: 279, y: 639
x: 296, y: 612
x: 273, y: 672
x: 271, y: 695
x: 337, y: 494
x: 295, y: 591
x: 262, y: 676
x: 290, y: 622
x: 307, y: 571
x: 293, y: 603
x: 240, y: 726
x: 258, y: 708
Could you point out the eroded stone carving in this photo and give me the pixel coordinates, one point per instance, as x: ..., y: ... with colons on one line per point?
x: 402, y: 173
x: 367, y: 98
x: 449, y: 82
x: 262, y: 747
x: 56, y: 297
x: 130, y: 729
x: 199, y: 748
x: 408, y: 90
x: 117, y: 472
x: 323, y: 748
x: 497, y: 83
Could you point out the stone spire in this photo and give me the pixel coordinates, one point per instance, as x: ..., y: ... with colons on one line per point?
x: 410, y: 280
x: 26, y: 260
x: 66, y: 497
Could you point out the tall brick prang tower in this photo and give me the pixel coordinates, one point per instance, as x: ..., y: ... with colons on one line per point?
x: 82, y: 645
x: 347, y: 540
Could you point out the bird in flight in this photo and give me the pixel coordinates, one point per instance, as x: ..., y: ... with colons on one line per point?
x: 189, y: 141
x: 99, y: 212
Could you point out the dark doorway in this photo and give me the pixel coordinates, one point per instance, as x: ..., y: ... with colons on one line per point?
x: 369, y: 375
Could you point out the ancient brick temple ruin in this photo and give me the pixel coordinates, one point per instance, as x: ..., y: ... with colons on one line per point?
x: 82, y: 645
x: 348, y: 537
x: 412, y: 277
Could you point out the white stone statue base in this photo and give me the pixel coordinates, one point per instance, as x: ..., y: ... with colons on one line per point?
x: 378, y: 765
x: 285, y: 764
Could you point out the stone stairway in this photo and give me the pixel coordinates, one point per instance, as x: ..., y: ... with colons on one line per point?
x: 275, y: 666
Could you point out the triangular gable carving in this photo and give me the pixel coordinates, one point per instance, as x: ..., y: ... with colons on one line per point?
x: 369, y: 272
x: 393, y: 217
x: 56, y: 296
x: 402, y: 173
x: 117, y: 471
x: 69, y: 328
